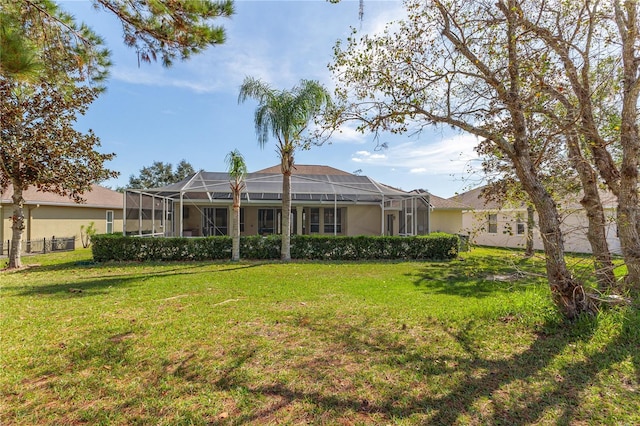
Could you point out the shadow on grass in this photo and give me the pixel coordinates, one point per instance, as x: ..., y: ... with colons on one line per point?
x: 478, y: 277
x: 84, y: 288
x: 93, y: 287
x: 525, y: 387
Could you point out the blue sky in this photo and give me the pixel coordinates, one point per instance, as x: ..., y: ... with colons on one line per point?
x: 190, y: 111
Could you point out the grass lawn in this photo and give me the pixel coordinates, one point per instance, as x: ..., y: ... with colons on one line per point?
x: 473, y: 341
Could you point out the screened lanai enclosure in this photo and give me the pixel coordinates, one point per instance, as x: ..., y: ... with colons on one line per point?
x: 335, y: 204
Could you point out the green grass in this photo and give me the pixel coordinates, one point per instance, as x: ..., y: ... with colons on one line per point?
x: 473, y: 341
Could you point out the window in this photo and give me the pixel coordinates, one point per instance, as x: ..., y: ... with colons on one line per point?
x: 214, y: 221
x: 314, y: 219
x: 493, y: 223
x: 330, y: 220
x: 109, y: 227
x: 268, y: 221
x: 241, y: 219
x: 519, y: 226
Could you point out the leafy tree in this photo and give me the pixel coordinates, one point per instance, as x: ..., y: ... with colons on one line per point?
x: 43, y: 43
x: 593, y: 48
x: 160, y: 174
x: 285, y: 115
x: 86, y: 232
x: 168, y: 29
x: 466, y: 65
x: 237, y: 169
x: 39, y: 147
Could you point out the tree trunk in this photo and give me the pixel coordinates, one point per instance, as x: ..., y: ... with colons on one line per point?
x: 17, y: 228
x: 235, y: 229
x: 286, y: 216
x: 591, y: 202
x: 286, y: 165
x: 568, y: 294
x: 531, y: 223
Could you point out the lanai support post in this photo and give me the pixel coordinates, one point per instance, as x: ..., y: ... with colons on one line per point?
x: 382, y: 216
x: 181, y: 213
x: 124, y: 214
x: 140, y: 213
x: 335, y: 215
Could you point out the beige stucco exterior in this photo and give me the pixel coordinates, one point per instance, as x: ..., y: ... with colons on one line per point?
x: 446, y: 220
x: 49, y: 215
x: 355, y: 219
x: 574, y: 225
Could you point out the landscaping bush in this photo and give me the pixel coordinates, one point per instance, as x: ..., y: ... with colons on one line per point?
x: 308, y: 247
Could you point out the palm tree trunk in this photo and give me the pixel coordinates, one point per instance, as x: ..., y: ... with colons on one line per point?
x: 235, y: 230
x: 286, y: 216
x: 17, y: 227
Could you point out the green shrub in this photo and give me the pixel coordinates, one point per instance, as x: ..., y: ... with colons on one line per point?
x: 307, y: 247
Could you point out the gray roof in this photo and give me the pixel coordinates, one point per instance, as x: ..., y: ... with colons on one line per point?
x: 268, y: 186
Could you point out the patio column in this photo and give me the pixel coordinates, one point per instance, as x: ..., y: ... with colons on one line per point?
x: 382, y: 216
x: 181, y: 213
x: 124, y: 214
x: 140, y: 213
x: 299, y: 224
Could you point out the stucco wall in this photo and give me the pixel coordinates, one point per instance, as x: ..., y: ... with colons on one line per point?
x: 364, y: 220
x: 356, y: 219
x: 59, y: 221
x: 449, y: 221
x: 574, y: 228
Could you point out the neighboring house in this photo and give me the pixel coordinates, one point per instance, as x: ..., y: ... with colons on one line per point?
x: 325, y: 201
x: 447, y: 215
x: 489, y: 223
x: 49, y: 215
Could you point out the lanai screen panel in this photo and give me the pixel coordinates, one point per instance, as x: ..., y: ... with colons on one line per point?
x: 268, y: 187
x: 148, y: 214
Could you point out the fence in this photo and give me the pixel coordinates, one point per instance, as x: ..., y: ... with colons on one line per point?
x: 44, y: 245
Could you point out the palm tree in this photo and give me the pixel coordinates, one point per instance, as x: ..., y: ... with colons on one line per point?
x: 237, y: 169
x: 286, y: 115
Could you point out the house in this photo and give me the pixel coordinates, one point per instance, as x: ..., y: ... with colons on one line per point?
x: 489, y: 223
x: 49, y: 215
x: 325, y: 201
x: 447, y: 215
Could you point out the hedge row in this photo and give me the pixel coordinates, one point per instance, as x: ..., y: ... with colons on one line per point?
x: 118, y: 247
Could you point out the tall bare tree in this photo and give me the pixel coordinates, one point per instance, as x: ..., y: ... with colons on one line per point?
x: 466, y: 65
x: 596, y: 48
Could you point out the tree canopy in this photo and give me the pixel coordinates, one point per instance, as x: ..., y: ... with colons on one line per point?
x: 160, y: 174
x: 40, y: 147
x: 530, y: 80
x: 285, y: 115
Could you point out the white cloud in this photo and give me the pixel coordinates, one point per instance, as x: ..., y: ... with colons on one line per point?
x: 159, y: 78
x: 348, y: 134
x: 367, y: 157
x: 450, y: 155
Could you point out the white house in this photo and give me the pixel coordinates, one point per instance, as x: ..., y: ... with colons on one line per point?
x: 490, y: 224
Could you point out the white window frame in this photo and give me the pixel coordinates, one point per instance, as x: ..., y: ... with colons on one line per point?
x: 109, y: 223
x: 492, y: 223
